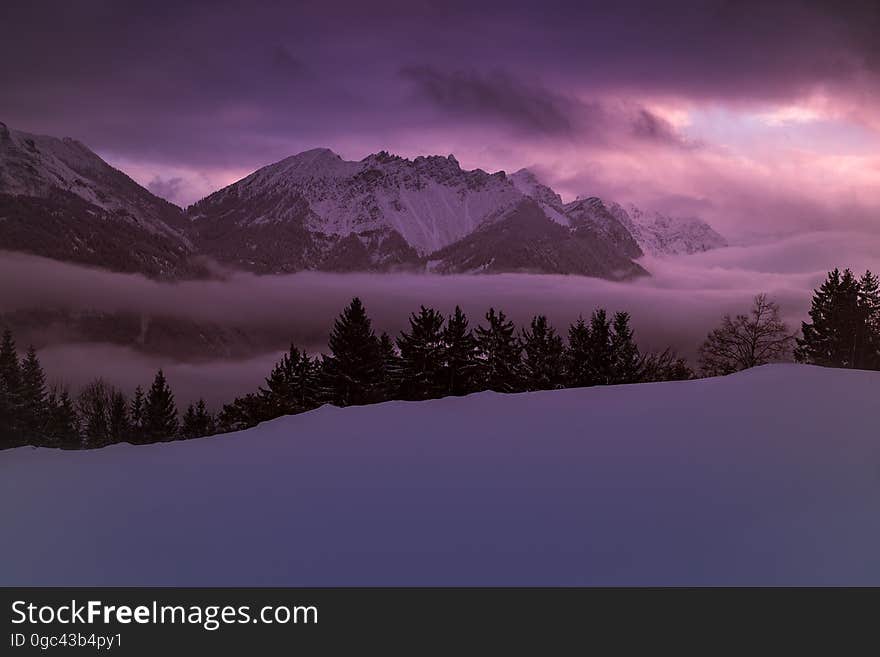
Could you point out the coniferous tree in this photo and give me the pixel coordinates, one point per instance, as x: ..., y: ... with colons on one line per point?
x: 197, y: 421
x: 600, y: 355
x: 421, y: 355
x: 391, y: 368
x: 118, y: 421
x: 6, y: 416
x: 188, y: 425
x: 305, y: 384
x: 291, y: 387
x: 869, y: 303
x: 63, y: 425
x: 10, y: 392
x: 499, y: 350
x: 460, y: 365
x: 243, y: 413
x: 626, y: 361
x: 136, y: 416
x: 34, y: 415
x: 352, y: 372
x: 543, y: 365
x: 160, y: 413
x: 842, y: 332
x: 577, y: 355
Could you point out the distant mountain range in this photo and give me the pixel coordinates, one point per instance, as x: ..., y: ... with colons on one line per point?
x: 316, y: 211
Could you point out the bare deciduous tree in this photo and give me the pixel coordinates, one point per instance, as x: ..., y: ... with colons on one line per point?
x: 746, y: 341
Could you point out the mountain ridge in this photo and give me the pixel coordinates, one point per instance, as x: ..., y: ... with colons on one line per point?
x: 317, y: 211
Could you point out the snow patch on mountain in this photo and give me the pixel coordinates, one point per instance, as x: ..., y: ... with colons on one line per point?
x: 662, y: 235
x: 429, y: 201
x: 529, y: 185
x: 35, y: 165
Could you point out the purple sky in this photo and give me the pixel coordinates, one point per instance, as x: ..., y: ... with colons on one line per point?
x: 762, y: 117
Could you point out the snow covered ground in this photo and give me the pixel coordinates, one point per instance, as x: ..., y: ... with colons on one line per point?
x: 767, y: 477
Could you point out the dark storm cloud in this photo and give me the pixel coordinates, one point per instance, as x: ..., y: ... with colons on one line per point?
x: 223, y: 82
x: 495, y: 95
x: 650, y: 127
x: 499, y: 98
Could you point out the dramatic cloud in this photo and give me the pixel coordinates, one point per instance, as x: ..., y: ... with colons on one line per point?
x: 494, y: 96
x: 766, y: 112
x: 166, y: 188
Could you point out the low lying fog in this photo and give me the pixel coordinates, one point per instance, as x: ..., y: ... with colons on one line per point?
x: 676, y: 306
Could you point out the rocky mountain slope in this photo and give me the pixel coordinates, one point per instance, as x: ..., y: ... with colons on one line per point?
x: 316, y: 211
x: 58, y: 199
x: 662, y: 235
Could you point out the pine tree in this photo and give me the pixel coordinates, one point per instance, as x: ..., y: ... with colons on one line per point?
x: 136, y: 416
x: 34, y: 412
x: 421, y: 355
x: 577, y: 356
x: 625, y: 358
x: 500, y: 351
x: 840, y: 333
x: 291, y: 387
x: 6, y: 416
x: 10, y: 393
x: 160, y: 413
x: 600, y: 355
x: 460, y: 365
x: 197, y: 421
x: 869, y: 302
x: 352, y: 372
x: 118, y: 421
x: 391, y: 368
x: 205, y: 419
x: 543, y: 366
x: 242, y: 413
x: 63, y: 425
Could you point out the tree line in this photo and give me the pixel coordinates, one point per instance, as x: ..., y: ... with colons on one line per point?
x: 435, y: 357
x: 438, y: 356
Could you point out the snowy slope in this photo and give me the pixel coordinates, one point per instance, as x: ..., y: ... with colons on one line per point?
x: 429, y: 201
x: 661, y: 235
x: 317, y: 211
x: 529, y: 185
x: 59, y: 199
x: 35, y: 165
x: 771, y: 476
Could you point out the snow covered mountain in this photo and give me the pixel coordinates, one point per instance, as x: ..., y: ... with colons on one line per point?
x: 317, y: 211
x: 752, y: 479
x: 59, y: 199
x: 662, y: 235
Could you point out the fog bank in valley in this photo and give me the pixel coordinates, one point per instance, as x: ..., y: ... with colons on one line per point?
x: 675, y: 307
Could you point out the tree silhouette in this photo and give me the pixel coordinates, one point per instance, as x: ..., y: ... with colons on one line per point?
x: 499, y: 350
x: 745, y: 341
x: 543, y: 366
x: 352, y: 372
x: 421, y: 355
x: 460, y: 366
x: 160, y: 413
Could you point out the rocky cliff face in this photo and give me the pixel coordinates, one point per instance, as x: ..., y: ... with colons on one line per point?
x: 58, y: 199
x: 316, y: 211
